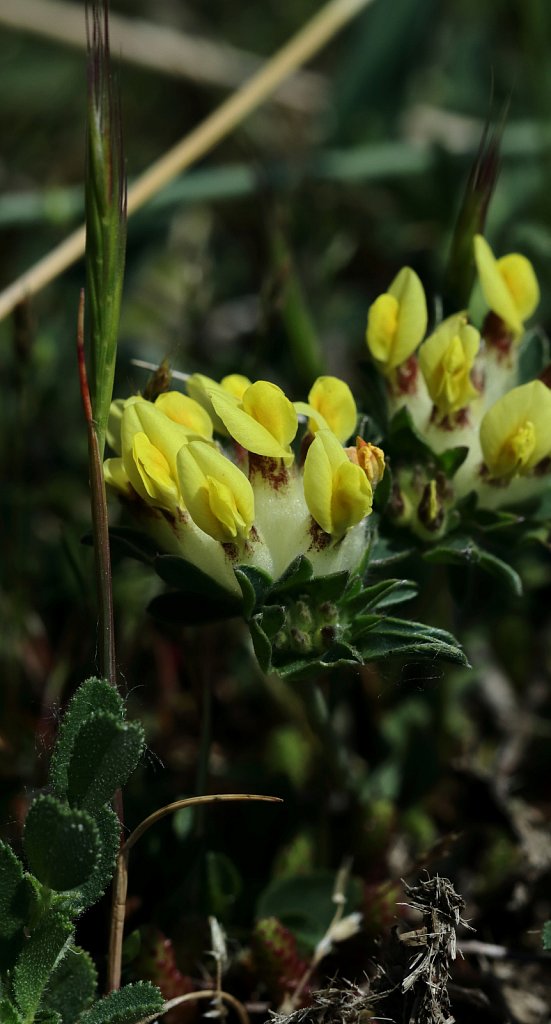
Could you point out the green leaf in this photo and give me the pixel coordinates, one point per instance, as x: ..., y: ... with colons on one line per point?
x: 15, y: 902
x: 105, y: 753
x: 451, y: 459
x: 261, y: 643
x: 129, y: 1005
x: 271, y: 619
x: 72, y: 986
x: 384, y: 553
x: 304, y: 904
x: 188, y: 578
x: 295, y: 575
x: 339, y: 655
x: 546, y: 936
x: 8, y: 1013
x: 254, y: 584
x: 381, y: 595
x: 325, y: 588
x: 464, y: 551
x: 109, y: 830
x: 48, y: 1017
x: 93, y: 695
x: 38, y: 959
x: 61, y: 844
x: 223, y: 883
x: 379, y: 637
x: 133, y: 543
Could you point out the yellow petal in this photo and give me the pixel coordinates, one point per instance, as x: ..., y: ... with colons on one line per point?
x: 314, y: 415
x: 217, y: 494
x: 154, y: 472
x: 186, y: 411
x: 318, y: 480
x: 496, y: 285
x: 201, y: 389
x: 397, y: 321
x: 520, y: 278
x: 116, y: 477
x: 352, y: 498
x: 446, y: 359
x: 269, y: 406
x: 337, y: 492
x: 412, y: 314
x: 236, y: 384
x: 163, y: 433
x: 334, y: 400
x: 515, y: 433
x: 382, y: 323
x: 113, y: 435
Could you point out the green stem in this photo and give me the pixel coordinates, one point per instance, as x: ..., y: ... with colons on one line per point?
x: 100, y: 523
x: 319, y: 719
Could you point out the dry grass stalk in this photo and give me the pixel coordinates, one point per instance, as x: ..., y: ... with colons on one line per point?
x: 301, y: 48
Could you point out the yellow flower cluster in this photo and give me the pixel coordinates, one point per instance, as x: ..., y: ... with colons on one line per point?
x: 247, y: 493
x: 458, y: 386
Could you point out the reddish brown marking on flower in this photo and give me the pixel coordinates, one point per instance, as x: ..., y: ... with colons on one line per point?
x: 496, y: 334
x: 406, y: 376
x: 320, y: 539
x: 231, y: 551
x: 452, y: 421
x: 273, y: 471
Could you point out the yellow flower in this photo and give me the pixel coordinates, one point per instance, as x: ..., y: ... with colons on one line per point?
x: 150, y: 442
x: 236, y: 384
x: 509, y: 285
x: 337, y: 492
x: 370, y: 458
x: 185, y: 411
x: 217, y: 494
x: 334, y: 400
x: 515, y: 433
x: 446, y: 360
x: 264, y: 422
x: 397, y: 321
x: 201, y: 389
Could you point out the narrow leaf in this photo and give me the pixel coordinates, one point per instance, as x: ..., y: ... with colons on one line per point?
x: 38, y: 959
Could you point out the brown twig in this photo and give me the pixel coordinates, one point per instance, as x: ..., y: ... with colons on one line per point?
x: 191, y: 997
x: 120, y: 886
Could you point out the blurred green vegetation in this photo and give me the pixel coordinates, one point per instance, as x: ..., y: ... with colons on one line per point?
x: 326, y: 207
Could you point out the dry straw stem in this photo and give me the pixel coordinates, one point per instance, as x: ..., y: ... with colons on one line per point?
x: 120, y: 886
x: 191, y: 997
x: 163, y: 49
x: 300, y: 49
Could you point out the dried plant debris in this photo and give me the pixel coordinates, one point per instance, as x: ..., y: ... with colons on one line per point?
x: 428, y: 970
x: 345, y: 1003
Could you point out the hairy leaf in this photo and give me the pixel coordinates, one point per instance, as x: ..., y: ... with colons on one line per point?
x: 61, y: 844
x: 105, y: 754
x: 129, y: 1005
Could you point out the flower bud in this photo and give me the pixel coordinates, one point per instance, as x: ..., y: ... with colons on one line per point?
x: 397, y: 321
x: 509, y: 285
x: 515, y: 433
